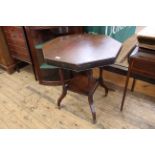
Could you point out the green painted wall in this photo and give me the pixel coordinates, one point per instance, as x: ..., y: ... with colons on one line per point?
x: 120, y: 33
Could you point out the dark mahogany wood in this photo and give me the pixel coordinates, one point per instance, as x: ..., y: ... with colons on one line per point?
x: 15, y: 38
x: 6, y: 61
x: 81, y: 53
x: 17, y: 43
x: 101, y: 81
x: 126, y: 84
x: 141, y: 64
x: 21, y: 41
x: 39, y: 34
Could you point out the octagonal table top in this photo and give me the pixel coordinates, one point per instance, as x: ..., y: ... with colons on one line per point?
x: 81, y: 51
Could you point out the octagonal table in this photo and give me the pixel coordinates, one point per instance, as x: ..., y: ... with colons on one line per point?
x: 81, y: 53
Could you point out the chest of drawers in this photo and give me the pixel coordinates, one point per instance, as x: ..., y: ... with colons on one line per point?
x: 17, y: 43
x: 6, y: 61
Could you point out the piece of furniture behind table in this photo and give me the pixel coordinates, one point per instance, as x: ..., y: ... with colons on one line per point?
x: 6, y: 61
x: 17, y: 43
x: 142, y: 60
x: 141, y: 66
x: 36, y: 36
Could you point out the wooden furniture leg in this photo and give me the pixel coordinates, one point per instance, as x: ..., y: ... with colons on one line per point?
x: 64, y: 88
x: 17, y: 67
x: 101, y: 81
x: 126, y: 85
x: 133, y: 84
x: 92, y: 107
x: 91, y: 93
x: 87, y: 88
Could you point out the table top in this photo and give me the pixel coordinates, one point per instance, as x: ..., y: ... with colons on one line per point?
x: 81, y: 51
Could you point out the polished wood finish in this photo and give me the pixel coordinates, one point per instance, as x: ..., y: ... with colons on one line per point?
x: 17, y: 43
x: 22, y: 40
x: 141, y: 64
x: 18, y: 46
x: 38, y: 35
x: 84, y: 84
x: 6, y: 61
x: 81, y: 53
x: 126, y: 85
x: 123, y: 69
x: 133, y: 84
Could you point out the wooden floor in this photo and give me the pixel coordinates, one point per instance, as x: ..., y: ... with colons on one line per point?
x: 16, y: 110
x: 20, y: 108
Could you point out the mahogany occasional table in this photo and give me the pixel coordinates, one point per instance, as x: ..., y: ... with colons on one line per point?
x: 81, y: 53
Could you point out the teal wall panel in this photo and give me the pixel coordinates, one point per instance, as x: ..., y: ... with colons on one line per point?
x: 120, y: 33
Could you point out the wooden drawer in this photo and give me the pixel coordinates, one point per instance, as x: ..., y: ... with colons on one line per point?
x: 144, y: 68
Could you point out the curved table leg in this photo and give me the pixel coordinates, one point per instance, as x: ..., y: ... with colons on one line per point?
x: 92, y: 107
x: 101, y: 81
x: 91, y: 89
x: 64, y: 88
x: 64, y: 92
x: 91, y: 93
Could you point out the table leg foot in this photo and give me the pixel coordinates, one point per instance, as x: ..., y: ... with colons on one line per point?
x: 91, y: 104
x: 64, y: 92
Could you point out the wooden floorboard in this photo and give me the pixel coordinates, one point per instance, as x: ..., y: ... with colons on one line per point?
x: 20, y: 108
x: 26, y: 104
